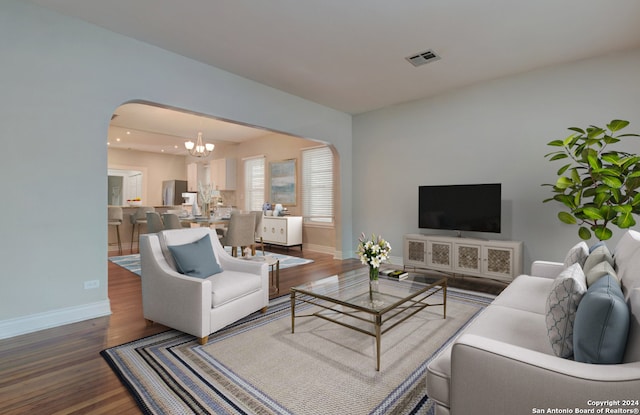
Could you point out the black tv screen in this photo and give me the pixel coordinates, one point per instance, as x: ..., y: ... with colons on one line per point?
x: 464, y: 207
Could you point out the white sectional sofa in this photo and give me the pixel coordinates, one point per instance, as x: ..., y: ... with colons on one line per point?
x: 504, y: 363
x: 203, y: 304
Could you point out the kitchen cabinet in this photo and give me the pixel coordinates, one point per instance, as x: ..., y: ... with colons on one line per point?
x: 192, y: 177
x: 223, y: 173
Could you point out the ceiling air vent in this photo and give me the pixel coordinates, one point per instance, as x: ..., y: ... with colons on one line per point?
x: 423, y: 58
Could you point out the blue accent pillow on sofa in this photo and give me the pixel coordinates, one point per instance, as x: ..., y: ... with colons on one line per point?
x: 602, y: 324
x: 196, y: 259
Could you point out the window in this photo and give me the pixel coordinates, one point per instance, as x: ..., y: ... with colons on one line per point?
x: 317, y: 185
x: 254, y: 183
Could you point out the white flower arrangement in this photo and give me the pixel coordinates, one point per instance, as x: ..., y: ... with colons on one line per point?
x: 205, y: 192
x: 374, y: 251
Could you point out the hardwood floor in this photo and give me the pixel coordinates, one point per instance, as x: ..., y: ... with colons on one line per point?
x: 60, y: 370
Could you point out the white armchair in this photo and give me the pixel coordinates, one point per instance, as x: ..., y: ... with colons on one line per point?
x: 194, y: 305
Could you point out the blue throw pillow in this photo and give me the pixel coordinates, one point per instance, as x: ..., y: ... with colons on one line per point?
x: 602, y: 324
x: 196, y: 259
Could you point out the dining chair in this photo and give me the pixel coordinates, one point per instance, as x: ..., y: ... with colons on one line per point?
x: 114, y: 218
x: 138, y: 218
x: 240, y: 232
x: 154, y: 223
x: 257, y: 236
x: 171, y: 221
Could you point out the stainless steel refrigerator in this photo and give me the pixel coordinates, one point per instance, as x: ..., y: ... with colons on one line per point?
x: 172, y: 192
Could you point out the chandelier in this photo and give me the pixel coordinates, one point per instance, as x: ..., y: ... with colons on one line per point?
x: 198, y: 149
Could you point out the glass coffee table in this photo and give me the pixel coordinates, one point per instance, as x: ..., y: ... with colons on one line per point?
x: 346, y: 300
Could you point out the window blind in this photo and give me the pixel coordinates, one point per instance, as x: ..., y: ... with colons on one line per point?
x: 317, y: 185
x: 254, y: 183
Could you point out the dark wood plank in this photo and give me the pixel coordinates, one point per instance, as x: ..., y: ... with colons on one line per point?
x: 60, y: 370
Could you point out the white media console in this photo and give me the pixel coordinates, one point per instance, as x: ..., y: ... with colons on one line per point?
x: 499, y: 260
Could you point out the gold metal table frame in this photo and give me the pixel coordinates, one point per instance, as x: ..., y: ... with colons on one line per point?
x: 395, y: 310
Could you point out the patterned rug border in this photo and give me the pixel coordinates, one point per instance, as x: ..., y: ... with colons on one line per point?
x: 277, y: 307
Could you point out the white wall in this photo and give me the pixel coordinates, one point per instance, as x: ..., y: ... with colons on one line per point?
x: 61, y: 79
x: 492, y: 132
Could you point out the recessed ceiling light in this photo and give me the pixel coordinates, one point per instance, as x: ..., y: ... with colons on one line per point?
x: 118, y: 139
x: 128, y: 132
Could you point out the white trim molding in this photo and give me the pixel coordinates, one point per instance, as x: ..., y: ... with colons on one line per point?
x: 40, y: 321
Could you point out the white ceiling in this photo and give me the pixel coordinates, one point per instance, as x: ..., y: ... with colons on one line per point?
x: 142, y: 127
x: 350, y: 54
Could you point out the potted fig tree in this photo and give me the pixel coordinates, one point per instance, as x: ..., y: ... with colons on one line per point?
x: 598, y: 186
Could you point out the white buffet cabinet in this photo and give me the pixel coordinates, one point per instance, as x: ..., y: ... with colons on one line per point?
x: 282, y: 230
x: 500, y: 260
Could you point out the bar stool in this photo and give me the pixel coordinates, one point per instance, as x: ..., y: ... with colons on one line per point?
x: 114, y: 217
x: 139, y: 218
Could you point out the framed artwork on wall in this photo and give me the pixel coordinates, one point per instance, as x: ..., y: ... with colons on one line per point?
x: 283, y: 182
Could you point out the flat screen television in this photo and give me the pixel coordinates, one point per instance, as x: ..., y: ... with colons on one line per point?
x: 463, y: 207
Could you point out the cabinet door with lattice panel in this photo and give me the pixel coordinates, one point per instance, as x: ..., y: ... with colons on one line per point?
x: 439, y: 255
x: 498, y: 262
x: 415, y: 253
x: 467, y: 258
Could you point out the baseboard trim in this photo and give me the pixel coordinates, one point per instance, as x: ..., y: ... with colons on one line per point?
x: 41, y: 321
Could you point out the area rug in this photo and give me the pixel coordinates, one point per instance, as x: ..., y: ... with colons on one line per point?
x: 132, y: 262
x: 258, y: 366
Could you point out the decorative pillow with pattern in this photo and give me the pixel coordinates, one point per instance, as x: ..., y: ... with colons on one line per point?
x: 577, y: 254
x: 566, y: 293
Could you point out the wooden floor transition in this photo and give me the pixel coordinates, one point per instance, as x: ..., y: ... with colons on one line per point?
x: 60, y: 370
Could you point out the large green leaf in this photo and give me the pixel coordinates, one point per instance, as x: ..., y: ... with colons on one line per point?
x: 610, y: 140
x: 559, y: 156
x: 577, y: 130
x: 611, y: 158
x: 612, y: 182
x: 567, y: 218
x: 608, y: 172
x: 592, y: 159
x: 634, y: 174
x: 584, y: 233
x: 570, y: 140
x: 601, y: 198
x: 563, y: 182
x: 594, y: 132
x: 625, y: 218
x: 556, y: 143
x: 617, y: 125
x: 593, y: 213
x: 563, y: 169
x: 602, y: 232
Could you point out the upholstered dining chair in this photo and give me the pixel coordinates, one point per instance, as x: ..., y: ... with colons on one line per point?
x: 258, y: 232
x: 114, y: 218
x: 171, y: 221
x: 154, y: 222
x: 139, y: 217
x: 240, y: 232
